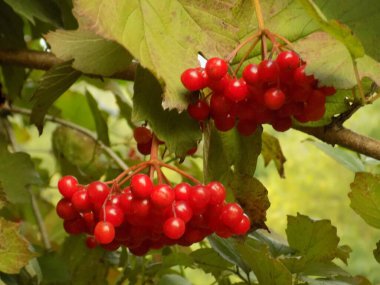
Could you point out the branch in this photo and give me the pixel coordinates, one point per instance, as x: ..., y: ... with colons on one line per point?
x: 73, y: 126
x: 45, y: 60
x: 335, y: 134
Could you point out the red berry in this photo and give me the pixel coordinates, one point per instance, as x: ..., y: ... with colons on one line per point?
x: 126, y: 201
x: 237, y: 90
x: 199, y: 110
x: 182, y: 191
x: 112, y: 214
x: 74, y: 227
x: 199, y: 196
x: 192, y: 151
x: 141, y: 186
x: 246, y: 127
x: 220, y: 105
x: 142, y: 135
x: 216, y: 68
x: 231, y: 214
x: 288, y: 60
x: 217, y: 191
x: 174, y: 228
x: 98, y: 193
x: 139, y: 208
x: 89, y: 220
x: 81, y: 200
x: 282, y: 124
x: 327, y: 91
x: 274, y: 98
x: 183, y: 210
x: 224, y: 123
x: 104, y: 232
x: 219, y: 85
x: 193, y: 79
x: 251, y: 74
x: 144, y: 148
x: 300, y: 78
x: 67, y: 185
x: 242, y: 227
x: 162, y: 196
x: 268, y: 71
x: 65, y: 210
x: 91, y: 242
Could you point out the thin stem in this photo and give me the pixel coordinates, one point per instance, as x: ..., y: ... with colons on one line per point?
x: 246, y: 55
x: 259, y: 14
x: 137, y: 170
x: 131, y: 169
x: 360, y: 87
x: 285, y: 40
x: 184, y: 174
x: 263, y: 47
x: 73, y: 126
x: 243, y: 43
x: 154, y: 158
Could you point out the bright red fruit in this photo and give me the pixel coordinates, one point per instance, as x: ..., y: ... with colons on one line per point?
x: 193, y: 79
x: 231, y: 214
x: 98, y: 192
x: 300, y: 78
x: 81, y: 200
x: 274, y: 98
x: 104, y: 232
x: 199, y: 196
x: 67, y: 185
x: 216, y: 68
x: 251, y: 74
x: 224, y: 123
x: 74, y: 227
x: 288, y: 60
x: 141, y: 185
x: 268, y: 71
x: 142, y: 135
x: 162, y: 196
x: 183, y: 210
x: 242, y: 227
x: 217, y: 191
x: 65, y: 210
x: 174, y: 228
x: 112, y: 214
x: 237, y: 90
x: 182, y: 191
x: 199, y: 110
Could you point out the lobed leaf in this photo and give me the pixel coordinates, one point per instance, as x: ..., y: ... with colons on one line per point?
x: 271, y: 151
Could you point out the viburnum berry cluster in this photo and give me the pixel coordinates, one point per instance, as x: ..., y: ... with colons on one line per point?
x: 134, y: 211
x: 271, y: 92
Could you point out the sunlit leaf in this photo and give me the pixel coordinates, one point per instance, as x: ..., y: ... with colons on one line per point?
x: 14, y: 250
x: 90, y: 53
x: 173, y: 279
x: 271, y: 151
x: 365, y: 197
x: 209, y: 260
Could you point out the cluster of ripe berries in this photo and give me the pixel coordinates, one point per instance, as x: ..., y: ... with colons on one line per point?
x: 145, y: 216
x: 272, y: 92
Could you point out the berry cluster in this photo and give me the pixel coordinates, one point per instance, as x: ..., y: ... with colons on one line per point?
x: 272, y: 92
x: 145, y: 216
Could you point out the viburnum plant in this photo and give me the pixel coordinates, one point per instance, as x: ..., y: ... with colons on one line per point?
x: 152, y: 120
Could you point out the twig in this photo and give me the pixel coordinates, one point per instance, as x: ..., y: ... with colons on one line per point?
x: 45, y: 60
x: 73, y: 126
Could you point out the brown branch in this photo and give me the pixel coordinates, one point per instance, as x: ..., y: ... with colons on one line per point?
x: 339, y: 135
x: 45, y: 60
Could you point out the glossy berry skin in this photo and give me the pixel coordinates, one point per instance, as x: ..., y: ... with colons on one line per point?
x: 300, y: 78
x: 182, y: 191
x: 126, y: 201
x: 217, y: 191
x: 288, y: 60
x: 220, y: 105
x: 66, y: 210
x: 199, y: 110
x: 224, y: 123
x: 81, y: 200
x: 199, y: 196
x: 104, y: 232
x: 251, y: 74
x: 231, y: 214
x: 174, y: 228
x: 274, y: 98
x: 162, y: 196
x: 74, y: 227
x: 268, y: 71
x: 242, y: 227
x: 216, y: 68
x: 237, y: 90
x: 183, y: 210
x: 67, y: 185
x: 98, y: 192
x: 112, y: 214
x: 193, y: 79
x: 141, y: 186
x: 142, y: 135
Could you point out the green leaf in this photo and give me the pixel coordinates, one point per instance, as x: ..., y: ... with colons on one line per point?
x: 355, y: 14
x: 343, y: 253
x: 210, y: 262
x: 53, y: 84
x: 338, y: 30
x: 100, y: 121
x: 252, y: 196
x: 271, y: 151
x: 14, y: 250
x: 267, y: 269
x: 173, y: 279
x: 343, y: 280
x: 226, y: 248
x: 323, y: 269
x: 164, y: 35
x: 14, y: 183
x: 365, y: 197
x: 54, y: 269
x: 3, y: 197
x: 314, y: 240
x: 90, y: 53
x: 176, y: 259
x: 179, y: 132
x: 344, y: 157
x: 276, y: 247
x: 11, y: 28
x: 331, y: 63
x: 37, y: 9
x: 85, y: 266
x: 14, y: 78
x: 79, y: 155
x: 376, y: 252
